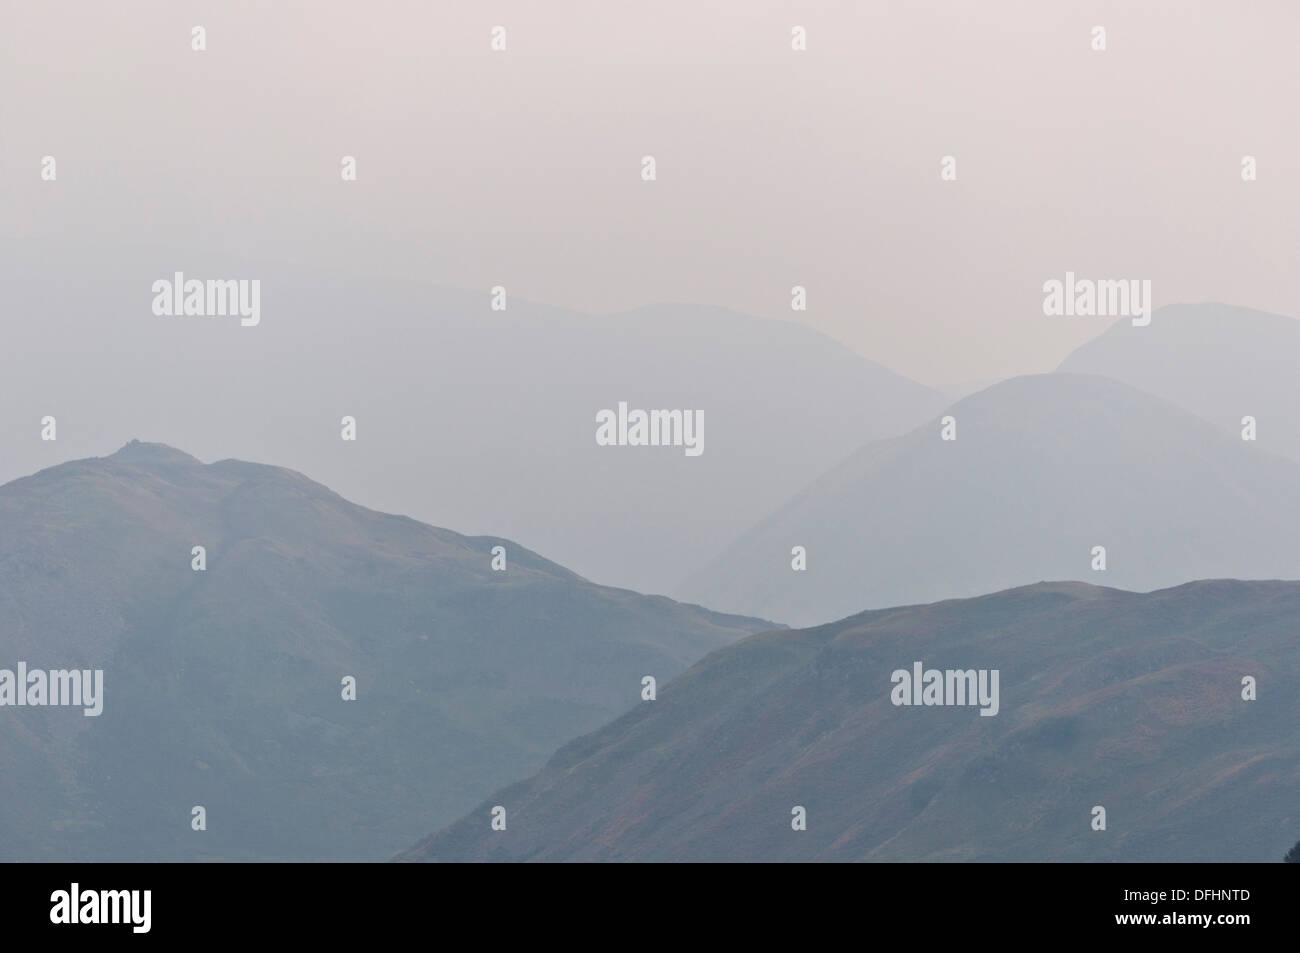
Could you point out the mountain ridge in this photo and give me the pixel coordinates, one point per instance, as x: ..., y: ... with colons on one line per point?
x: 1129, y: 701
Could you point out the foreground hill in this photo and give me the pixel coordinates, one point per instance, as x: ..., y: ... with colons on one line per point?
x: 1043, y: 470
x: 222, y: 688
x: 1131, y: 702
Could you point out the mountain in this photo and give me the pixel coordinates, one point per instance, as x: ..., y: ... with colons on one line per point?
x: 1129, y: 702
x: 223, y: 688
x: 1218, y: 361
x: 482, y: 421
x: 1042, y: 470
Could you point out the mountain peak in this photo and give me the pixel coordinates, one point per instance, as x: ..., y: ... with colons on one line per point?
x: 137, y: 451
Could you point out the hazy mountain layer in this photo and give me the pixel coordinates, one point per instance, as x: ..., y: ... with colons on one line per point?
x: 1218, y: 361
x: 482, y: 421
x: 1042, y: 470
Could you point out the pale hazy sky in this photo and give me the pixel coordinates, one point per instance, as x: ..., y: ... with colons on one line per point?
x: 775, y: 168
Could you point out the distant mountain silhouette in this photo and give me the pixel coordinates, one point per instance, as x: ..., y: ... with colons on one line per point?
x: 222, y: 688
x: 1043, y: 469
x: 1218, y: 361
x: 1129, y: 702
x: 478, y: 420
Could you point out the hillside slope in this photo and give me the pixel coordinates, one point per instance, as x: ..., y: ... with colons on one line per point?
x: 1131, y: 702
x: 223, y: 688
x: 1044, y: 469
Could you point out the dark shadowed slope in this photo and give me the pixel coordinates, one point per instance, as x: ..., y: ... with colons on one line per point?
x: 1043, y: 469
x: 1218, y: 361
x: 1132, y: 702
x: 223, y: 687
